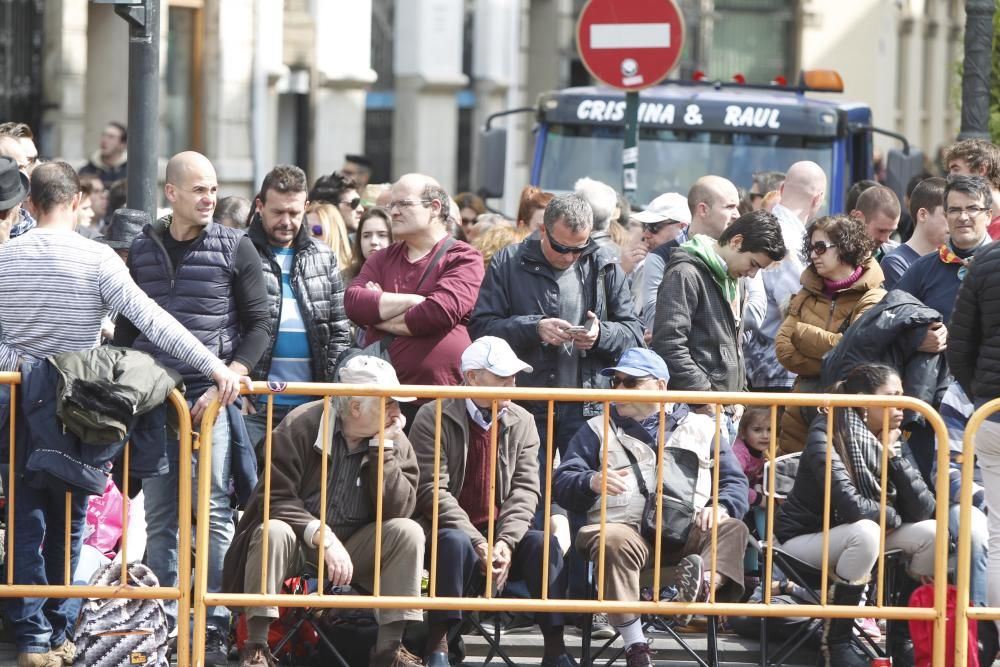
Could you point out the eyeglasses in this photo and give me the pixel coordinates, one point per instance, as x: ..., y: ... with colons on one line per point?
x: 655, y: 227
x: 353, y: 203
x: 629, y: 382
x: 408, y: 203
x: 820, y: 248
x: 972, y: 211
x: 566, y: 249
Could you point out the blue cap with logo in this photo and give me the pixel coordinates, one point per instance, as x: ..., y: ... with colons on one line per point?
x: 640, y: 362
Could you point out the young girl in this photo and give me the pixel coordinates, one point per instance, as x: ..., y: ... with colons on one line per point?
x: 752, y: 443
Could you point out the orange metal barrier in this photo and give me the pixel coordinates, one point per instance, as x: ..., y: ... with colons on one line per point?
x: 963, y: 608
x: 203, y: 599
x: 181, y: 592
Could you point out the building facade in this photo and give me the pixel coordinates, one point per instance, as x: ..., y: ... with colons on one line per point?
x: 409, y: 82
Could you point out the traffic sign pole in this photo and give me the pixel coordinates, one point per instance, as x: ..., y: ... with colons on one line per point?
x: 630, y: 154
x: 630, y: 46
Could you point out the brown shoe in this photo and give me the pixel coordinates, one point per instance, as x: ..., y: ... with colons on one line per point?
x: 66, y: 651
x: 256, y: 655
x: 397, y: 657
x: 47, y: 659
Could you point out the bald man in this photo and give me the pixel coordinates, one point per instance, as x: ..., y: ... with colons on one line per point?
x: 714, y: 204
x: 416, y: 295
x: 209, y: 278
x: 802, y: 196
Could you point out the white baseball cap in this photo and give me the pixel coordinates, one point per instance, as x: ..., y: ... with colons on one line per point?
x: 669, y: 206
x: 365, y: 369
x: 494, y: 355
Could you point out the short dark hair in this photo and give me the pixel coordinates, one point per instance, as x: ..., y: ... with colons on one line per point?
x: 978, y: 154
x: 973, y: 186
x: 329, y: 188
x: 433, y: 191
x: 769, y: 181
x: 850, y: 235
x: 235, y: 208
x: 878, y: 199
x: 53, y: 184
x: 283, y: 179
x: 117, y: 194
x: 929, y: 194
x: 121, y: 128
x: 360, y: 160
x: 16, y: 130
x: 851, y: 202
x: 761, y: 232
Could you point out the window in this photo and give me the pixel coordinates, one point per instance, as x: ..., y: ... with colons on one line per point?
x: 182, y: 120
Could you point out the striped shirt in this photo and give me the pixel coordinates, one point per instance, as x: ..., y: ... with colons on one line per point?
x: 57, y: 287
x: 291, y: 361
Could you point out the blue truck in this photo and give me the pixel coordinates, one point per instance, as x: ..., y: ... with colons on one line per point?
x: 687, y: 129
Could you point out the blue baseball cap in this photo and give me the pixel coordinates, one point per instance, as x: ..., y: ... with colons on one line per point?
x: 640, y: 362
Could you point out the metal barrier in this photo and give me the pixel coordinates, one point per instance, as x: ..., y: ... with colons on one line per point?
x: 181, y: 592
x: 964, y: 611
x: 203, y: 598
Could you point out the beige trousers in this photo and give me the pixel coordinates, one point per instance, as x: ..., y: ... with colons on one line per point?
x: 402, y: 560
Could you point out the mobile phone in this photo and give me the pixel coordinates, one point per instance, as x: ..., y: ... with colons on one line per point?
x: 575, y: 330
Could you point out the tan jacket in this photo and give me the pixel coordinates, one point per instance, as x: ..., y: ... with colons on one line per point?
x: 296, y: 465
x: 517, y: 486
x: 814, y: 325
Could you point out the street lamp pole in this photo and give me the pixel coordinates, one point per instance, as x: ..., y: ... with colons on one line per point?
x: 977, y: 69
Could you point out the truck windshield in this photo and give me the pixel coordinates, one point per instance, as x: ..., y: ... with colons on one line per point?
x: 671, y: 160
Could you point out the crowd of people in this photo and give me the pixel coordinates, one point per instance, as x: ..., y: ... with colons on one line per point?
x: 399, y: 284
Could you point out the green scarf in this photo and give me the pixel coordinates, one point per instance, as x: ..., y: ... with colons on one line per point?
x: 703, y: 247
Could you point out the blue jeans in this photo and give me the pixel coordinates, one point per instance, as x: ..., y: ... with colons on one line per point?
x: 41, y: 624
x: 979, y: 537
x: 161, y: 522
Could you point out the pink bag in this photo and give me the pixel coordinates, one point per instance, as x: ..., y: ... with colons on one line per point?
x: 103, y: 529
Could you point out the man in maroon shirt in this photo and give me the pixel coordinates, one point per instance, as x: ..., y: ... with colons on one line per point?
x: 424, y: 307
x: 465, y: 506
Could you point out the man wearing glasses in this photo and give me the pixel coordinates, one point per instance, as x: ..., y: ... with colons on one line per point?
x: 417, y: 294
x: 664, y: 227
x: 565, y: 307
x: 936, y: 277
x: 633, y: 432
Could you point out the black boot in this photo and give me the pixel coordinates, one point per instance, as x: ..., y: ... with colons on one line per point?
x: 836, y: 648
x: 898, y: 643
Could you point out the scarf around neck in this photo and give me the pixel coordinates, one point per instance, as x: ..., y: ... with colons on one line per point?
x: 949, y: 254
x: 702, y: 246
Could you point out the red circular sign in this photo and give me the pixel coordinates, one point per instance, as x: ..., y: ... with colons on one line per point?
x: 630, y: 45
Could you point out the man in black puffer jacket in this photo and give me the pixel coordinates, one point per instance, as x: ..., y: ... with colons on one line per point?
x: 309, y: 329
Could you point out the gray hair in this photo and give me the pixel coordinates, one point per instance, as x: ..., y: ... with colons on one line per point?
x: 433, y: 191
x: 341, y: 404
x: 572, y: 209
x: 602, y: 199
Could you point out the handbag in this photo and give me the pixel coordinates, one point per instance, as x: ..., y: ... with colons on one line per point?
x: 380, y: 348
x: 680, y: 475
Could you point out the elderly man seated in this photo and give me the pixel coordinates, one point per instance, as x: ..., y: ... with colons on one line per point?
x: 348, y: 539
x: 465, y: 505
x: 632, y: 435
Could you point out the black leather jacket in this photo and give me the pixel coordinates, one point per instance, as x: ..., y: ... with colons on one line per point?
x: 802, y: 511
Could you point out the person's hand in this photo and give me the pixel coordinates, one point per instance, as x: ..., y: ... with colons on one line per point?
x: 552, y: 330
x: 395, y: 428
x: 936, y: 339
x: 617, y: 482
x: 704, y: 518
x: 339, y: 568
x: 228, y: 383
x: 199, y: 407
x: 634, y: 255
x: 895, y: 446
x: 249, y: 408
x: 373, y: 286
x: 585, y: 341
x: 501, y: 564
x: 481, y: 551
x: 647, y: 336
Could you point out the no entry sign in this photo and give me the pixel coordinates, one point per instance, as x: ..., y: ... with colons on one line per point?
x: 630, y: 44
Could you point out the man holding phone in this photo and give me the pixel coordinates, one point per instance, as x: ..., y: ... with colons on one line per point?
x: 565, y: 307
x: 347, y: 541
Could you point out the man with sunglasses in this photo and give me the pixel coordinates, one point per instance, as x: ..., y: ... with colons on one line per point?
x: 565, y: 306
x: 633, y: 433
x: 17, y: 143
x: 664, y: 227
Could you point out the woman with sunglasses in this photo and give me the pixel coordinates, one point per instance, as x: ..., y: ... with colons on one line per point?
x: 840, y: 282
x: 327, y: 225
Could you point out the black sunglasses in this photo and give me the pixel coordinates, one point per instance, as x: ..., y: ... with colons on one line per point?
x: 655, y: 227
x: 353, y: 203
x: 566, y: 249
x: 629, y: 382
x: 820, y: 248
